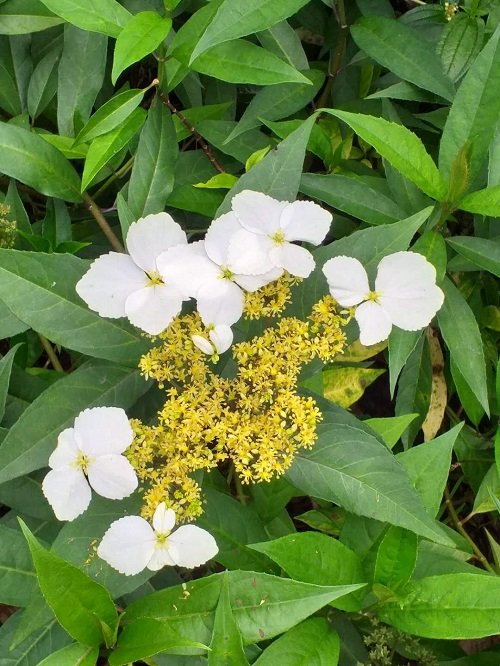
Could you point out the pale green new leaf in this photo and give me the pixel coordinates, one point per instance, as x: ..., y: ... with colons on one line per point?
x: 463, y: 339
x: 484, y: 202
x: 400, y: 48
x: 237, y: 18
x: 142, y: 34
x: 72, y: 655
x: 28, y: 158
x: 399, y: 146
x: 106, y: 16
x: 474, y: 113
x: 396, y: 558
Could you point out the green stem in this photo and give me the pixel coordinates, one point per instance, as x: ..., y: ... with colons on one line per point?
x: 119, y: 173
x: 55, y: 362
x: 460, y: 528
x: 95, y: 211
x: 336, y: 56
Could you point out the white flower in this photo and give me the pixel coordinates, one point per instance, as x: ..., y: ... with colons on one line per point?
x: 122, y: 285
x: 88, y: 456
x: 203, y: 270
x: 267, y: 230
x: 405, y: 293
x: 218, y: 340
x: 131, y: 544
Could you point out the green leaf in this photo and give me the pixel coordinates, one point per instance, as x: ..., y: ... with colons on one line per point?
x: 79, y: 603
x: 234, y: 526
x: 318, y: 559
x: 263, y: 605
x: 226, y: 647
x: 104, y: 147
x: 464, y: 341
x: 19, y: 17
x: 110, y: 114
x: 488, y: 495
x: 282, y: 40
x: 239, y: 61
x: 5, y: 370
x: 428, y: 466
x: 106, y: 16
x: 17, y: 577
x: 28, y: 158
x: 396, y: 558
x: 80, y: 77
x: 401, y: 49
x: 310, y: 642
x: 33, y: 648
x: 403, y: 149
x: 453, y: 606
x: 153, y: 173
x: 352, y: 468
x: 401, y: 345
x: 278, y: 174
x: 43, y: 83
x: 484, y: 202
x: 31, y: 285
x: 352, y: 196
x: 142, y: 34
x: 279, y: 101
x: 461, y: 41
x: 9, y: 324
x: 33, y: 437
x: 72, y: 655
x: 391, y: 428
x: 221, y: 181
x: 483, y: 252
x: 237, y: 18
x: 146, y: 637
x: 474, y: 112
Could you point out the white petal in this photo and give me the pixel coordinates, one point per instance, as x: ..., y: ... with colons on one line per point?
x: 190, y: 546
x: 305, y: 221
x: 152, y: 309
x: 258, y: 212
x: 249, y: 253
x: 218, y: 237
x: 187, y: 268
x: 163, y: 519
x: 220, y: 302
x: 406, y: 282
x: 294, y: 259
x: 374, y: 324
x: 150, y: 236
x: 347, y: 280
x: 66, y: 451
x: 254, y: 282
x: 203, y: 344
x: 103, y: 430
x: 109, y: 282
x: 67, y: 492
x: 128, y: 545
x: 222, y: 338
x: 112, y: 476
x: 160, y: 558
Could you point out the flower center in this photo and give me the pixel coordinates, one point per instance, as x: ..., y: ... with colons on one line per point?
x: 162, y: 539
x: 154, y: 278
x: 278, y: 238
x: 82, y: 462
x: 373, y: 296
x: 226, y: 273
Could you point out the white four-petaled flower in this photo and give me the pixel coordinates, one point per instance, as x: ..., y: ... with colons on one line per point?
x: 267, y: 230
x: 131, y: 544
x: 217, y: 341
x: 89, y: 456
x: 131, y: 285
x: 405, y: 294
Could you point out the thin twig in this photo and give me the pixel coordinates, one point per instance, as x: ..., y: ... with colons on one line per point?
x: 119, y: 173
x: 94, y: 210
x: 203, y: 144
x: 336, y: 56
x: 460, y: 528
x: 56, y: 363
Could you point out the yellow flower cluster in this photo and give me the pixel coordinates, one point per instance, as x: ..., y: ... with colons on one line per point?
x: 251, y: 414
x: 8, y: 228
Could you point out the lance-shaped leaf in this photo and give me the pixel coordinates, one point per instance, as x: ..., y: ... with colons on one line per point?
x: 105, y: 16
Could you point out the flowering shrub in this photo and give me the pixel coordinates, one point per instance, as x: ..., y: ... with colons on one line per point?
x: 249, y: 391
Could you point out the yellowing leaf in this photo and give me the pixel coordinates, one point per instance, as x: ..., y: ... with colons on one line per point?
x: 439, y: 394
x: 345, y: 386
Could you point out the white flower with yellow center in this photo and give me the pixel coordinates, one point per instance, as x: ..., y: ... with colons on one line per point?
x: 203, y: 270
x: 217, y: 340
x: 405, y: 294
x: 131, y: 544
x: 267, y: 231
x: 131, y: 285
x: 89, y: 456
